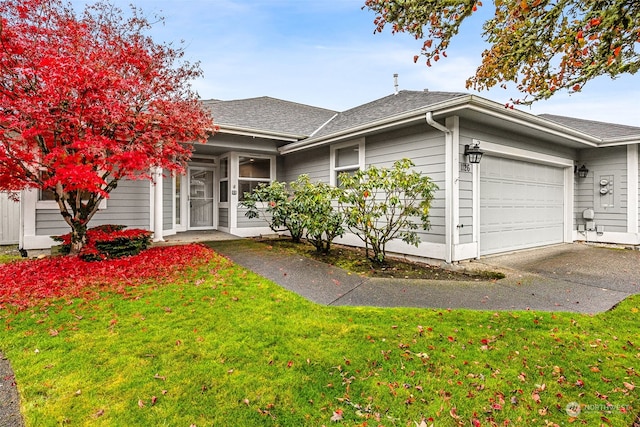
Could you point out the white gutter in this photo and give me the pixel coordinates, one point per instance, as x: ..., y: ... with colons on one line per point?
x: 238, y: 130
x: 625, y: 140
x: 525, y: 119
x: 433, y: 123
x: 450, y: 213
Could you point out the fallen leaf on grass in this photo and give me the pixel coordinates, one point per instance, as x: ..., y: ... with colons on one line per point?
x: 337, y: 415
x: 535, y: 396
x: 454, y: 413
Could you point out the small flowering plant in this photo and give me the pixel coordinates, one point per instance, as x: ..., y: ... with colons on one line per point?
x: 109, y: 241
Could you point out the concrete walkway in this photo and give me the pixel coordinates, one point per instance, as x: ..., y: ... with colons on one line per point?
x: 571, y: 277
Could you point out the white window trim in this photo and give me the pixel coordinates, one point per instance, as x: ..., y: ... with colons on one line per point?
x: 226, y: 157
x: 237, y: 178
x: 333, y: 170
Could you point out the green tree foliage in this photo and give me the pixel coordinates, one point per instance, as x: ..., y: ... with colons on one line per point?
x: 381, y: 204
x: 274, y: 204
x: 314, y: 202
x: 540, y: 45
x: 303, y: 209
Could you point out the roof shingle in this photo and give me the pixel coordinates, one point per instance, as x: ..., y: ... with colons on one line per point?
x: 388, y: 106
x: 600, y: 130
x: 269, y: 114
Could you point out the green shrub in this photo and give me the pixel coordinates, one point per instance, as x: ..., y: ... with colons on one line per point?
x: 381, y: 204
x: 314, y: 203
x: 273, y: 203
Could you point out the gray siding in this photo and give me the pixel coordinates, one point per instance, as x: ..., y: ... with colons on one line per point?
x: 421, y: 144
x: 608, y: 163
x: 244, y: 222
x: 425, y: 147
x: 314, y: 163
x: 223, y: 217
x: 470, y: 129
x: 129, y: 204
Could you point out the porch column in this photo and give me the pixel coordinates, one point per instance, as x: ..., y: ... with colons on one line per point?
x: 157, y: 205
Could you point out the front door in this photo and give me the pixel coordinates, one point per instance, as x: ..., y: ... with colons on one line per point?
x: 201, y: 198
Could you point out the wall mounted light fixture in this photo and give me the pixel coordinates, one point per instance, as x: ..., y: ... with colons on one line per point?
x: 583, y: 171
x: 473, y: 153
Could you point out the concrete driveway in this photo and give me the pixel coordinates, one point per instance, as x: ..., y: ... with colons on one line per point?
x: 572, y: 277
x: 590, y: 278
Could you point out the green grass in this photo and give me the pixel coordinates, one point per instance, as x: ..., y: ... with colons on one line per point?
x: 231, y: 348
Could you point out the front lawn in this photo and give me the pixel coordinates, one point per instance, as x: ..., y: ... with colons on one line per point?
x: 218, y: 345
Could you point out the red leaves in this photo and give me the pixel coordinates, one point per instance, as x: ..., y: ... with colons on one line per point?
x: 95, y: 98
x: 24, y: 283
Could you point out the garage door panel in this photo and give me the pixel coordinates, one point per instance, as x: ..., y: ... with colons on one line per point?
x: 521, y: 205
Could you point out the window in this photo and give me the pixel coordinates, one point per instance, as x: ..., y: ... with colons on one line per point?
x: 346, y: 158
x: 252, y: 171
x: 224, y: 180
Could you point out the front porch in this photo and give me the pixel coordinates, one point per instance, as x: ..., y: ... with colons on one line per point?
x: 195, y: 236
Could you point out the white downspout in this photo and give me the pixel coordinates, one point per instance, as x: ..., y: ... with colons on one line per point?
x: 157, y: 205
x: 448, y: 198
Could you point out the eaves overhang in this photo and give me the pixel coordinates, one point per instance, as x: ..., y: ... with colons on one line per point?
x: 259, y: 133
x: 459, y: 106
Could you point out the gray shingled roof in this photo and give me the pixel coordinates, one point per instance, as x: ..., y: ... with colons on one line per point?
x: 388, y: 106
x: 269, y: 114
x: 598, y: 129
x: 266, y: 114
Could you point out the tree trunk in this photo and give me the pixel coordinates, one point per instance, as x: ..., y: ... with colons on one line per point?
x: 78, y: 237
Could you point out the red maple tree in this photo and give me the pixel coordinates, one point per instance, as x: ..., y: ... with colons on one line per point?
x: 87, y: 100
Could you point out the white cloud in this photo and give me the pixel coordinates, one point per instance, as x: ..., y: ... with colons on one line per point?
x: 325, y: 54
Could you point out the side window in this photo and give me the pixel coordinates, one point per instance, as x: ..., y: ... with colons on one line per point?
x: 252, y: 171
x: 224, y: 180
x: 346, y: 158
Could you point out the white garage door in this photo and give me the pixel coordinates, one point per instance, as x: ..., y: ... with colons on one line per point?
x: 521, y: 205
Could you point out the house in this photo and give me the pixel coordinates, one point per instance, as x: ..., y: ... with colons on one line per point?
x: 528, y: 189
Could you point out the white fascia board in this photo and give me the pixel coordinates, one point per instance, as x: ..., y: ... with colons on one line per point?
x: 452, y: 106
x: 523, y: 118
x: 616, y: 142
x: 237, y: 130
x: 521, y: 154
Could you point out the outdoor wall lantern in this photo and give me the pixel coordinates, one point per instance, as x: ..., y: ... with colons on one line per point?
x: 583, y: 171
x: 473, y: 153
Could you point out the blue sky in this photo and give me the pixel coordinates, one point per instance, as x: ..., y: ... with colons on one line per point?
x: 324, y: 53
